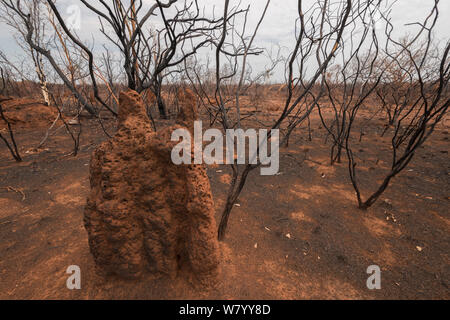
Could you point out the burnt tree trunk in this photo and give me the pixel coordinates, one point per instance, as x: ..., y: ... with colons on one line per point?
x: 159, y: 100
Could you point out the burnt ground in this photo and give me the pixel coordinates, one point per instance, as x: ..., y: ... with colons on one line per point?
x: 296, y: 235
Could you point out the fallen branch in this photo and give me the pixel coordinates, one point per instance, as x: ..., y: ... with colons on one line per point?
x: 12, y: 189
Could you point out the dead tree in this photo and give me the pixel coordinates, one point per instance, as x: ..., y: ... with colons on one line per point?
x: 148, y: 54
x: 397, y: 89
x: 319, y: 37
x: 416, y: 121
x: 23, y: 16
x: 38, y: 22
x: 11, y: 145
x: 350, y: 85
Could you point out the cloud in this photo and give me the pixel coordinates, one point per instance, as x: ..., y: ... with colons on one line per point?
x: 277, y: 29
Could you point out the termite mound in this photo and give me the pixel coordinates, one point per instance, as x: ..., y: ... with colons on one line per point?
x: 144, y: 213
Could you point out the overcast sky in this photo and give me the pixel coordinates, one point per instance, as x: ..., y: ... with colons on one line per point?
x: 276, y: 30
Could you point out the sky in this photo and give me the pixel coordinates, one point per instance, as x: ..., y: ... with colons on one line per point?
x: 277, y: 29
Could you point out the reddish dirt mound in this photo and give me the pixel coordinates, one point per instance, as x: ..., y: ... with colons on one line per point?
x: 144, y: 212
x: 25, y: 112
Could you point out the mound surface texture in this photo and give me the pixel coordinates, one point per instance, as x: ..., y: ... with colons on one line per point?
x: 145, y: 213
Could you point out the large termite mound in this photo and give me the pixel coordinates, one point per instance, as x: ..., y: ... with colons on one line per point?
x: 26, y: 113
x: 145, y: 213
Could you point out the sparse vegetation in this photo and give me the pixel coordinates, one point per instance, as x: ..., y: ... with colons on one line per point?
x: 362, y: 114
